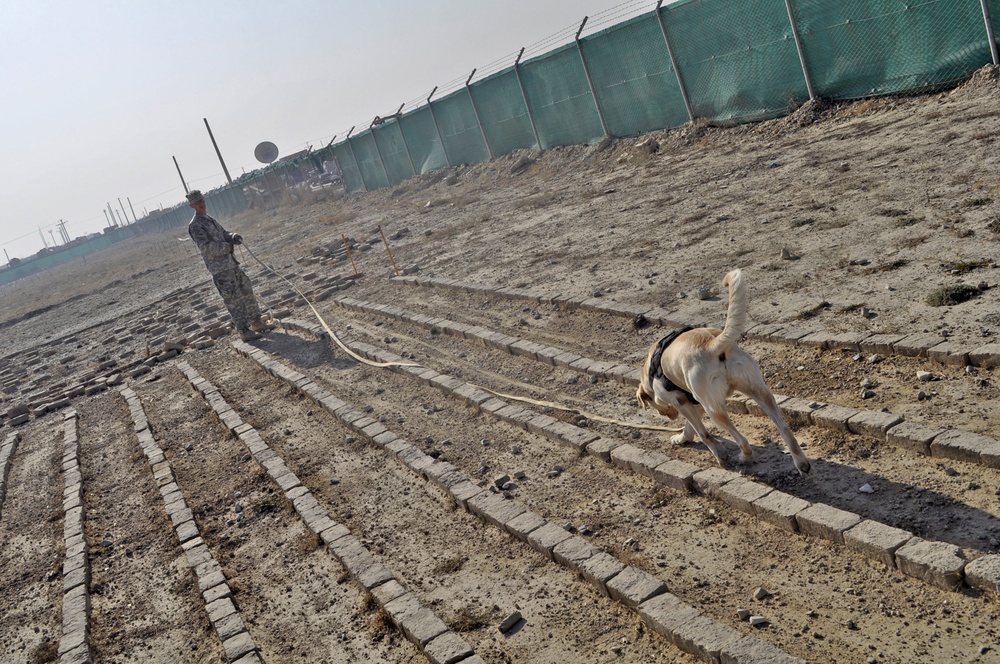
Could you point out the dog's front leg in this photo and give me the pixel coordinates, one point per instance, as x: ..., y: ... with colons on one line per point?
x: 693, y: 416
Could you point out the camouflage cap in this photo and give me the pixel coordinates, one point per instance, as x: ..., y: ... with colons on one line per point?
x: 194, y: 196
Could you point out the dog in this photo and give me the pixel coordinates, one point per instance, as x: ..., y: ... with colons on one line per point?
x: 692, y: 371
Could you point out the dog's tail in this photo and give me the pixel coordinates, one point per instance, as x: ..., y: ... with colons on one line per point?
x: 736, y: 318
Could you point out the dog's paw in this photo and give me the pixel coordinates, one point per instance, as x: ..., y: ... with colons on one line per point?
x: 745, y: 459
x: 804, y: 467
x: 679, y: 439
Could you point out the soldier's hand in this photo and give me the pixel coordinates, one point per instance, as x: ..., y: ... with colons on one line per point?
x: 237, y: 238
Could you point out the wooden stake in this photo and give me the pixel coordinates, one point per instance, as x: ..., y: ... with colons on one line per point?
x: 349, y: 254
x: 387, y: 250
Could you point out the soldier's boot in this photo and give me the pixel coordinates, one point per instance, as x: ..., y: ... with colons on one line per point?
x: 249, y: 335
x: 261, y: 325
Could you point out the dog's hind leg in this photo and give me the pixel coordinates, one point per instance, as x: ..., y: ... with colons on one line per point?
x: 686, y: 436
x: 693, y: 416
x: 721, y: 418
x: 766, y: 401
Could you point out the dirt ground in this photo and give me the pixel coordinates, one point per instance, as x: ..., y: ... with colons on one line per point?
x: 850, y: 217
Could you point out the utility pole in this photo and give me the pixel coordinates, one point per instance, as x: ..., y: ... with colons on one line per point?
x: 124, y: 214
x: 181, y: 175
x: 131, y: 208
x: 216, y: 146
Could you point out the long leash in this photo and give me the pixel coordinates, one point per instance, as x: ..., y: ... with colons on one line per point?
x: 545, y: 404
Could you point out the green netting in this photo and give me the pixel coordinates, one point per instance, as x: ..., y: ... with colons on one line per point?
x: 503, y: 112
x: 422, y: 140
x: 994, y: 8
x: 560, y: 97
x: 390, y: 142
x: 857, y: 48
x: 463, y: 139
x: 373, y: 172
x: 349, y: 167
x: 636, y: 85
x: 737, y: 59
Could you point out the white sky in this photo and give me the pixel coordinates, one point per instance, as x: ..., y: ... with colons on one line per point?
x: 99, y: 95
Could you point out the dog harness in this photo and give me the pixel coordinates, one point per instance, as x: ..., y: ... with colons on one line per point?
x: 656, y: 371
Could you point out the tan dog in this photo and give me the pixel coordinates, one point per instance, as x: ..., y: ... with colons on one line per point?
x: 699, y: 368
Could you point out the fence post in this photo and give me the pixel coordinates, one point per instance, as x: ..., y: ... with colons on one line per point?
x: 475, y: 111
x: 527, y: 106
x: 989, y: 31
x: 437, y: 128
x: 590, y: 82
x: 354, y: 156
x: 798, y: 47
x: 406, y: 146
x: 673, y: 62
x: 381, y: 160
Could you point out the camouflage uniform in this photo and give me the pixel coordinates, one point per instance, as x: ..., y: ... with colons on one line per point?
x: 216, y: 246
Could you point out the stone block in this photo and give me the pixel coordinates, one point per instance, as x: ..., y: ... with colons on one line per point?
x: 708, y: 481
x: 448, y: 648
x: 741, y: 493
x: 821, y: 520
x: 416, y: 621
x: 873, y: 423
x: 987, y: 356
x: 682, y: 625
x: 914, y: 437
x: 949, y: 353
x: 602, y: 448
x: 524, y: 524
x: 677, y: 475
x: 779, y: 509
x: 964, y: 446
x: 748, y: 650
x: 571, y: 552
x: 798, y: 412
x: 984, y: 573
x: 632, y: 586
x: 494, y: 508
x: 601, y: 568
x: 239, y: 645
x: 545, y: 538
x: 229, y: 626
x: 937, y: 563
x: 834, y: 417
x: 877, y: 541
x: 637, y: 460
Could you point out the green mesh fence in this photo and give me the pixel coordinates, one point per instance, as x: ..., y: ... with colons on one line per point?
x: 373, y: 171
x: 736, y: 62
x: 349, y: 167
x: 560, y: 97
x: 390, y: 142
x: 422, y: 141
x: 503, y: 112
x: 747, y: 70
x: 857, y: 48
x: 635, y: 82
x: 456, y: 120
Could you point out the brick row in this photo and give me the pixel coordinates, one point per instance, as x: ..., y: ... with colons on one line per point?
x: 74, y: 645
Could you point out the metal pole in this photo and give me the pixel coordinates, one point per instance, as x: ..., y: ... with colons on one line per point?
x: 124, y: 214
x: 106, y: 220
x: 989, y: 32
x: 798, y: 47
x: 131, y: 208
x: 181, y: 176
x: 524, y: 96
x: 355, y: 157
x: 444, y: 147
x: 120, y: 222
x: 381, y: 160
x: 111, y: 210
x: 215, y: 145
x: 475, y: 111
x: 590, y: 82
x: 673, y: 62
x: 406, y: 146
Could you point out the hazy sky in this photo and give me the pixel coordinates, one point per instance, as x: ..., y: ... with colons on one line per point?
x: 99, y: 95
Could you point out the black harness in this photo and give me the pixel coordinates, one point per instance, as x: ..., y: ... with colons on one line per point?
x: 656, y: 371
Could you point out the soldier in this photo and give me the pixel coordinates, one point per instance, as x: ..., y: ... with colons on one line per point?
x: 216, y: 246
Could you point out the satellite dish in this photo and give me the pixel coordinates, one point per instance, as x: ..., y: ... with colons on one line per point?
x: 266, y: 152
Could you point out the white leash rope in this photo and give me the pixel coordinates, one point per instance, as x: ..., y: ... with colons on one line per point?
x: 363, y: 360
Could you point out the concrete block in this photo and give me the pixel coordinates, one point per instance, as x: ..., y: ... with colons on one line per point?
x: 448, y: 648
x: 741, y: 493
x: 229, y: 626
x: 821, y: 520
x: 545, y: 538
x: 916, y: 345
x: 964, y: 446
x: 239, y: 645
x: 748, y: 650
x: 632, y: 586
x: 873, y: 423
x: 524, y: 524
x: 602, y: 448
x: 601, y: 568
x: 779, y: 509
x: 417, y: 622
x: 708, y: 481
x: 914, y: 437
x: 798, y: 412
x: 949, y: 353
x: 834, y: 417
x: 937, y: 563
x: 877, y: 541
x: 637, y: 459
x: 677, y: 475
x: 984, y: 573
x: 571, y: 552
x: 494, y: 508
